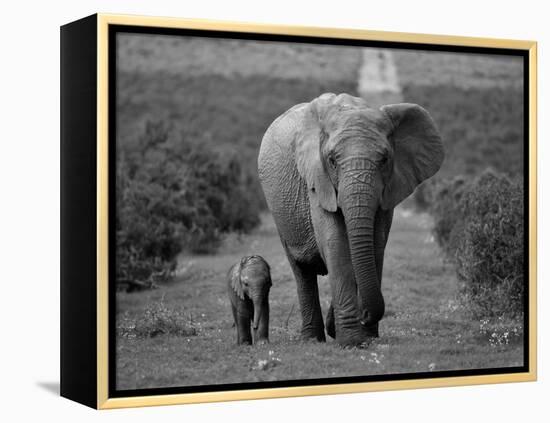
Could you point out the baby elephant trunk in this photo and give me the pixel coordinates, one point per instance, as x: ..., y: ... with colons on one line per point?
x: 260, y: 321
x: 260, y: 306
x: 257, y: 314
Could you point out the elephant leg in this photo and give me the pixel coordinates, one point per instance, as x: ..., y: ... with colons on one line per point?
x: 238, y: 324
x: 261, y: 335
x: 308, y: 298
x: 382, y: 225
x: 243, y: 330
x: 243, y: 315
x: 343, y: 317
x: 330, y: 325
x: 344, y: 323
x: 236, y: 321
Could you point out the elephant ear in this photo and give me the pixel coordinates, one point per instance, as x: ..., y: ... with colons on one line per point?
x: 309, y: 140
x: 417, y: 151
x: 236, y: 282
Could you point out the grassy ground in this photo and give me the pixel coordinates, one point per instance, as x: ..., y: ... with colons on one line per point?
x: 462, y: 70
x: 425, y: 327
x: 196, y: 56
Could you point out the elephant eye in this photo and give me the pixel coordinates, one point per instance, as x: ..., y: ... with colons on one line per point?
x: 332, y: 161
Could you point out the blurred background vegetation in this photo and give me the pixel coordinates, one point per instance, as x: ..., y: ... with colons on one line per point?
x: 477, y: 198
x: 191, y: 114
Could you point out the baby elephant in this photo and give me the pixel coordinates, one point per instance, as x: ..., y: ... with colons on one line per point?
x: 248, y: 285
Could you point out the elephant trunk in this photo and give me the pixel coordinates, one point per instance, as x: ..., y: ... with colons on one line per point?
x: 259, y: 308
x: 359, y: 197
x: 257, y: 315
x: 260, y: 321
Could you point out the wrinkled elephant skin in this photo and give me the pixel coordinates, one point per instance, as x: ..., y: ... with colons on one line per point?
x: 332, y: 171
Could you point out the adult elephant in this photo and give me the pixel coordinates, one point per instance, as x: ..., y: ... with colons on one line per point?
x: 332, y: 171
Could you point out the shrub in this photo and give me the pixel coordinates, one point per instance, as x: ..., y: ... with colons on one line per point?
x: 490, y: 256
x: 444, y: 197
x: 157, y: 319
x: 479, y: 224
x: 173, y: 195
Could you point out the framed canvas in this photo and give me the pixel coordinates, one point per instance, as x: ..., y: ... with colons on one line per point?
x: 255, y: 211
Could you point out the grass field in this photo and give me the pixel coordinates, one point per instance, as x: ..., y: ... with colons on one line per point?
x: 425, y: 327
x: 196, y: 56
x: 463, y: 70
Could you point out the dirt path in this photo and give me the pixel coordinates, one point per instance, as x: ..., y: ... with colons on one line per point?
x: 378, y: 81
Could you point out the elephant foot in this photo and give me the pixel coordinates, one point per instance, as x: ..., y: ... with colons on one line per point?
x: 313, y: 335
x: 244, y: 340
x: 360, y: 342
x: 350, y: 342
x: 371, y: 331
x: 366, y: 343
x: 356, y: 336
x: 262, y: 341
x: 346, y: 337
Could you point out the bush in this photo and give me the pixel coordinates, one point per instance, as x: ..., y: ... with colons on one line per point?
x: 173, y: 195
x: 479, y: 224
x: 157, y: 319
x: 444, y: 196
x: 491, y: 255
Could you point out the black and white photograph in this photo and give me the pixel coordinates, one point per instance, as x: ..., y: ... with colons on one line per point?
x: 275, y: 211
x: 291, y: 211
